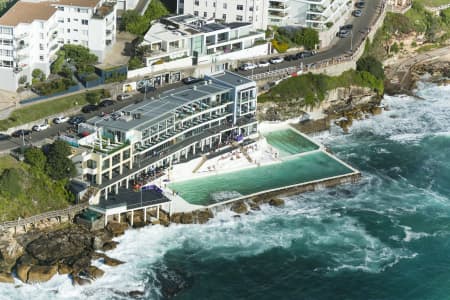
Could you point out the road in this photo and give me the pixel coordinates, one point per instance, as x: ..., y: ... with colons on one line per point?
x: 342, y: 46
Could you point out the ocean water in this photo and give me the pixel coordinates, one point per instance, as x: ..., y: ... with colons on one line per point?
x: 387, y: 237
x: 311, y: 166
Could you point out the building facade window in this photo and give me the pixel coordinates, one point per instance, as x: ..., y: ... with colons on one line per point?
x: 41, y: 57
x: 224, y: 17
x: 205, y: 14
x: 84, y: 22
x: 240, y: 7
x: 68, y: 20
x: 239, y: 18
x: 195, y: 13
x: 197, y: 2
x: 224, y: 6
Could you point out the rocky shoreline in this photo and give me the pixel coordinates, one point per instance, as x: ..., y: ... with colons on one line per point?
x: 70, y: 249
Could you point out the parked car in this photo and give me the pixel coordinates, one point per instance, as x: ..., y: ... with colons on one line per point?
x: 357, y: 13
x: 263, y: 64
x: 147, y: 89
x: 21, y: 132
x: 123, y: 97
x: 346, y: 27
x: 360, y: 4
x: 40, y: 127
x: 89, y: 108
x: 106, y: 102
x: 77, y: 120
x: 276, y: 60
x: 247, y: 66
x: 290, y: 57
x: 191, y: 80
x: 304, y: 54
x: 344, y: 33
x: 60, y: 119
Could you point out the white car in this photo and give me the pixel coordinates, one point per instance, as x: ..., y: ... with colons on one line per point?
x: 276, y: 60
x: 248, y: 66
x: 60, y: 119
x: 263, y: 64
x: 123, y: 96
x: 40, y: 127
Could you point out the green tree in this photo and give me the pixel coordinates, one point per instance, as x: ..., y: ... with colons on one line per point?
x: 59, y: 166
x: 306, y: 37
x: 57, y: 65
x: 135, y: 63
x: 38, y: 74
x: 133, y: 22
x: 372, y: 65
x: 80, y: 57
x: 92, y: 98
x: 36, y: 158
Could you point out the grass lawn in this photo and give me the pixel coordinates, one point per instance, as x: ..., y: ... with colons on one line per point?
x: 7, y: 161
x: 434, y: 3
x: 41, y: 110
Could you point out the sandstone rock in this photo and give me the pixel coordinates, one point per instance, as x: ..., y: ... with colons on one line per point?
x: 276, y: 202
x: 54, y: 246
x: 156, y: 222
x: 254, y: 206
x: 138, y: 224
x: 6, y: 278
x: 41, y: 273
x: 94, y: 273
x: 64, y: 269
x: 116, y: 229
x: 204, y: 216
x: 239, y: 207
x: 187, y: 218
x: 176, y: 218
x: 109, y: 245
x: 23, y: 265
x: 77, y: 280
x: 112, y: 262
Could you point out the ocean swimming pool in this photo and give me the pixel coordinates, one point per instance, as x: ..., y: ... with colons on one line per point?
x: 289, y: 142
x: 222, y: 187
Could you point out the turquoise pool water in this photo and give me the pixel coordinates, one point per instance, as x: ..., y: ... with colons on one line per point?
x: 212, y: 189
x: 289, y: 142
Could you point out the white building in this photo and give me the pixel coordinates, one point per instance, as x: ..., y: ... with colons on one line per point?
x: 188, y: 36
x: 252, y: 11
x: 323, y: 15
x: 31, y: 32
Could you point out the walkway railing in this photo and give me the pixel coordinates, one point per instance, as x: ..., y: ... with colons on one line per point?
x: 72, y: 210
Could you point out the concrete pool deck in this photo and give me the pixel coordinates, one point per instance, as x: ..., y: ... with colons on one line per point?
x: 260, y: 154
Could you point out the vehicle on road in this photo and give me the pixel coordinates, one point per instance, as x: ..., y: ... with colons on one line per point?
x: 344, y: 33
x: 247, y: 66
x: 21, y: 132
x: 40, y: 127
x: 346, y: 27
x: 360, y: 4
x: 276, y: 60
x: 123, y: 97
x: 60, y: 119
x: 77, y: 120
x: 106, y: 102
x: 191, y: 80
x: 357, y: 13
x: 304, y: 54
x: 147, y: 89
x: 290, y: 57
x: 263, y: 64
x: 89, y: 108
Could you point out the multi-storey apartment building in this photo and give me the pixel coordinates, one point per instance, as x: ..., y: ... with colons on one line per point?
x: 251, y: 11
x: 191, y: 36
x: 177, y: 125
x: 317, y: 14
x: 31, y: 32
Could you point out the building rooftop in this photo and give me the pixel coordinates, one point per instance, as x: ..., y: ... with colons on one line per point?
x: 79, y: 3
x: 154, y: 110
x: 230, y: 78
x: 27, y: 12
